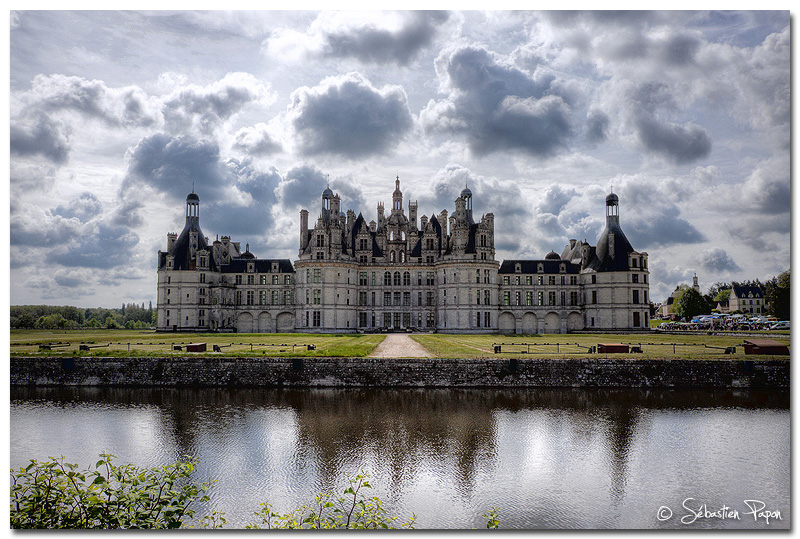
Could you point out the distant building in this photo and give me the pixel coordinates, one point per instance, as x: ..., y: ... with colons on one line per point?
x: 747, y: 299
x: 668, y: 307
x: 438, y: 274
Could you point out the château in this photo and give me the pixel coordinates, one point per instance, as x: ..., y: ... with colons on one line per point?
x: 401, y: 272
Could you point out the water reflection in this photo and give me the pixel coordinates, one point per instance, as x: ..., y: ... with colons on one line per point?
x: 559, y: 458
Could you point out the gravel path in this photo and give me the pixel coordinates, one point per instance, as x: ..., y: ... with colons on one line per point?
x: 400, y: 345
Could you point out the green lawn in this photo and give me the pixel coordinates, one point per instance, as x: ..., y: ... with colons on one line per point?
x: 576, y: 345
x: 150, y: 343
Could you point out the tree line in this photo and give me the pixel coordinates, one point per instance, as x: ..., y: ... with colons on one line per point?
x: 689, y: 303
x: 129, y: 316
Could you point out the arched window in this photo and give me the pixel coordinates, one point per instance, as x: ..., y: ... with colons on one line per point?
x: 391, y: 235
x: 397, y: 278
x: 402, y: 256
x: 391, y: 256
x: 387, y: 278
x: 406, y: 279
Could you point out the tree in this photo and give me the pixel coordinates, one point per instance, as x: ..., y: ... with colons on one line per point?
x: 777, y: 294
x: 690, y: 303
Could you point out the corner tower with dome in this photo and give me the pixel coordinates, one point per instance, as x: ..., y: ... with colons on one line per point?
x: 400, y: 272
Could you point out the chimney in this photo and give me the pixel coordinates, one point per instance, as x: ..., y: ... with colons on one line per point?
x: 303, y: 229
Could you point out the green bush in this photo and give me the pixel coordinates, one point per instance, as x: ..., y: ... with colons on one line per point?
x: 350, y: 510
x: 54, y: 494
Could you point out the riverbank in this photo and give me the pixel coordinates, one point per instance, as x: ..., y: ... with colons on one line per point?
x: 413, y: 372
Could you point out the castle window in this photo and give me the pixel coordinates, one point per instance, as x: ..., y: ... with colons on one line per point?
x: 262, y: 297
x: 250, y: 267
x: 517, y: 298
x: 487, y: 319
x: 483, y: 240
x: 540, y: 298
x: 540, y: 280
x: 429, y: 299
x: 594, y: 279
x: 317, y: 275
x: 274, y: 267
x: 483, y: 256
x: 402, y: 256
x: 317, y: 297
x: 594, y: 296
x: 430, y: 278
x: 478, y: 320
x: 250, y: 297
x: 487, y: 296
x: 320, y: 240
x: 540, y: 268
x: 573, y: 298
x: 517, y: 267
x: 317, y: 319
x: 238, y: 279
x: 406, y: 298
x: 419, y: 302
x: 486, y: 276
x: 506, y: 298
x: 397, y: 278
x: 478, y: 301
x: 552, y: 280
x: 251, y: 279
x: 391, y: 256
x: 563, y: 280
x: 287, y: 279
x: 516, y: 280
x: 573, y: 279
x: 397, y: 298
x: 506, y: 279
x: 287, y: 297
x: 633, y: 262
x: 262, y: 279
x: 562, y: 268
x: 387, y: 298
x: 274, y: 279
x: 406, y: 279
x: 320, y: 255
x: 275, y: 297
x: 238, y: 297
x: 362, y: 278
x: 563, y: 298
x: 419, y: 278
x: 635, y: 278
x: 551, y: 298
x: 529, y: 298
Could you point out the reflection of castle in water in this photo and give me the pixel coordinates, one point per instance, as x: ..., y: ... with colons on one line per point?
x: 404, y: 430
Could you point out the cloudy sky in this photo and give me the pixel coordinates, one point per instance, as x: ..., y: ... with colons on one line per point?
x: 116, y: 117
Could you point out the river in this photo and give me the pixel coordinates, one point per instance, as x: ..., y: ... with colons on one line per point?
x: 561, y: 458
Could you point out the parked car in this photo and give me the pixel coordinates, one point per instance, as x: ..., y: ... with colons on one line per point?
x: 780, y: 325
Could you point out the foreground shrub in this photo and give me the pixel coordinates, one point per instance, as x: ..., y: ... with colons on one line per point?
x: 54, y: 494
x: 350, y: 510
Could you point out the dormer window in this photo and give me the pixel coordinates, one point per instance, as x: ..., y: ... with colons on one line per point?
x: 274, y: 267
x: 251, y: 267
x: 562, y: 268
x: 540, y: 268
x: 517, y: 267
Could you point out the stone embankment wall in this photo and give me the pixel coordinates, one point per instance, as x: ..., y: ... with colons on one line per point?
x: 370, y: 372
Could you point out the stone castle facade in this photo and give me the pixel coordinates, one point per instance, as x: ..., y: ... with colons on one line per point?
x: 398, y: 273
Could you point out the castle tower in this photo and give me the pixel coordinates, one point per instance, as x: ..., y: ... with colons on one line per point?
x: 327, y: 196
x: 612, y: 209
x: 192, y: 210
x: 466, y: 194
x: 397, y: 197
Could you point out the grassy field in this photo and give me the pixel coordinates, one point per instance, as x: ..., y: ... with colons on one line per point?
x: 149, y: 343
x: 576, y: 345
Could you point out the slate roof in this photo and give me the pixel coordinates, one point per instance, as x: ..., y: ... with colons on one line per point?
x: 603, y: 260
x: 532, y: 266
